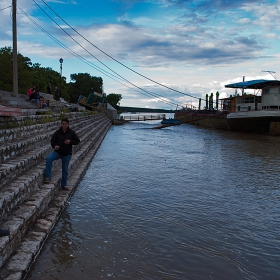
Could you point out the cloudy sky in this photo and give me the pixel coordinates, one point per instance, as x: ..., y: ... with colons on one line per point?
x: 155, y: 53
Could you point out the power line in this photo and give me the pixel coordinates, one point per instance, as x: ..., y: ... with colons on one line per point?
x: 5, y: 8
x: 64, y: 46
x: 86, y: 61
x: 162, y: 99
x: 114, y: 58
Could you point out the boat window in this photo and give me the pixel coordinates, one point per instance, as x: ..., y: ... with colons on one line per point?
x: 266, y: 90
x: 248, y: 99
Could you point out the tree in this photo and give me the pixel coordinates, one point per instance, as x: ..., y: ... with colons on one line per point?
x: 6, y: 69
x: 28, y: 74
x: 84, y: 84
x: 41, y: 77
x: 114, y: 99
x: 24, y: 73
x: 33, y: 74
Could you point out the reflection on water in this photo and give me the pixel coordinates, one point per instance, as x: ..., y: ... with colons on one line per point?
x: 178, y: 203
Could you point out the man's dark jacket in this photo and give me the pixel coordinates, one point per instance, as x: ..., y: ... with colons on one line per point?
x: 59, y: 137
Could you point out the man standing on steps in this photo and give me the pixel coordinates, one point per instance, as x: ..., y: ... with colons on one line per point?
x: 61, y: 141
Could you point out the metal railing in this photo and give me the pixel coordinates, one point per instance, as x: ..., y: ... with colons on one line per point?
x: 143, y: 117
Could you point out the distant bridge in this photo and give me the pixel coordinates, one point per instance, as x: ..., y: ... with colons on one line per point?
x: 144, y: 110
x: 143, y: 117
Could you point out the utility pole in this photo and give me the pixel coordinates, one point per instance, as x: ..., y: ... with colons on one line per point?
x: 15, y: 61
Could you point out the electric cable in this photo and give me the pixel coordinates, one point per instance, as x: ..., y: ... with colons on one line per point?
x: 162, y: 99
x: 65, y: 47
x: 5, y: 8
x: 114, y: 58
x: 86, y: 61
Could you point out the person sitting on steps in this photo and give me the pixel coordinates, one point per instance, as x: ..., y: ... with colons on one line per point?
x: 35, y: 98
x: 31, y: 90
x: 43, y: 103
x: 61, y: 141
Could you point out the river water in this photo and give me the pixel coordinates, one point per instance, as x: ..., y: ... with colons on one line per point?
x: 183, y: 202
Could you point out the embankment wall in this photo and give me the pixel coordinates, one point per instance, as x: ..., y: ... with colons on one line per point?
x: 28, y: 208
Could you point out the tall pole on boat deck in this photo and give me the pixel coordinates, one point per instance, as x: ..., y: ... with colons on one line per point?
x: 243, y: 87
x: 211, y: 101
x: 217, y: 100
x: 15, y: 61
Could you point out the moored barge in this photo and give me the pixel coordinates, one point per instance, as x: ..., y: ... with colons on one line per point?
x: 240, y: 112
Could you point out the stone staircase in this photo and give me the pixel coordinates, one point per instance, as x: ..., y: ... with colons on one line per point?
x: 23, y: 106
x: 29, y: 208
x: 20, y: 101
x: 58, y: 105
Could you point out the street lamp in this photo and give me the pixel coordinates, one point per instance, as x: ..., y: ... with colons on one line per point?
x: 61, y: 61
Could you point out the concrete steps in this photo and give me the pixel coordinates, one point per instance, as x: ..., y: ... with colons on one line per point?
x: 18, y: 141
x: 58, y: 105
x: 29, y: 208
x: 12, y: 170
x: 55, y: 105
x: 12, y: 106
x: 20, y: 101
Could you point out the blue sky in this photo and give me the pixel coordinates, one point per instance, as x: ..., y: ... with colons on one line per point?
x: 191, y: 47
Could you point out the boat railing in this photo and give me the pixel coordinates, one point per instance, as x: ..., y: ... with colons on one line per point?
x: 202, y: 112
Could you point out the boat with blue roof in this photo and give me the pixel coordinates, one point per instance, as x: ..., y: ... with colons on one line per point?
x: 253, y: 112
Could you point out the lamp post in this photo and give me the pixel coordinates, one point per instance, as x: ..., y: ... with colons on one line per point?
x: 61, y: 61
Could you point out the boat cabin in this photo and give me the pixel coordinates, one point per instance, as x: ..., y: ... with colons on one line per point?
x: 267, y: 96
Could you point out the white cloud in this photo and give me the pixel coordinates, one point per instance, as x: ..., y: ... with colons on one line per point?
x: 195, y: 51
x: 245, y: 21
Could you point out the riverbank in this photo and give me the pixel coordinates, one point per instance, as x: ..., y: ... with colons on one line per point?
x: 29, y: 209
x: 184, y: 202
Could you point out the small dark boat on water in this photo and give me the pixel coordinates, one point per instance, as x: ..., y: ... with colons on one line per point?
x: 170, y: 121
x: 167, y: 123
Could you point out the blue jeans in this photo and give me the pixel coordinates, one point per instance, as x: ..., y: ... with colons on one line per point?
x: 37, y: 101
x: 65, y: 163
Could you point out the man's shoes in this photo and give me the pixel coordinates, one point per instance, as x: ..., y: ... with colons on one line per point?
x: 4, y: 232
x: 47, y: 180
x: 64, y: 189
